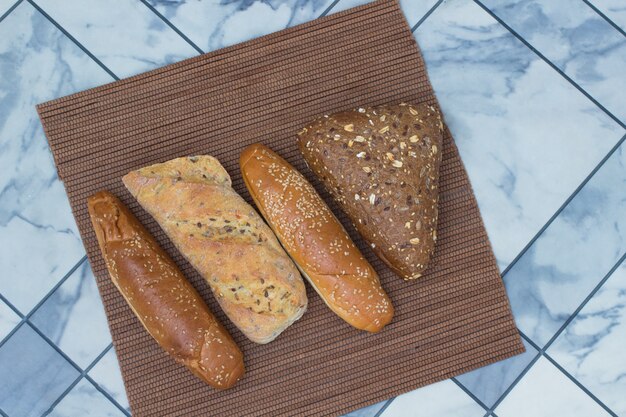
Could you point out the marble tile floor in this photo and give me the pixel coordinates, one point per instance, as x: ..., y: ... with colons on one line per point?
x: 533, y: 91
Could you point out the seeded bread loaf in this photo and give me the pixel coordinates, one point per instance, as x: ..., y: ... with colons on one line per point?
x: 160, y: 296
x: 223, y: 237
x: 381, y: 164
x: 315, y: 240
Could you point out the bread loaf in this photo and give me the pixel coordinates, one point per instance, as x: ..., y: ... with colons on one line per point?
x: 381, y: 164
x: 315, y: 240
x: 160, y: 296
x: 223, y: 237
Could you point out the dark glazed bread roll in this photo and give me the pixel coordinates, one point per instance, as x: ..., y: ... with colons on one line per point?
x: 162, y: 299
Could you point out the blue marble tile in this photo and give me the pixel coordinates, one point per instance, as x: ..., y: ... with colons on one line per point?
x: 546, y: 392
x: 214, y: 24
x: 85, y: 400
x: 489, y: 383
x: 413, y: 10
x: 38, y: 374
x: 107, y: 375
x: 38, y: 234
x: 591, y: 348
x: 614, y: 10
x: 577, y: 40
x: 523, y: 131
x: 73, y: 317
x: 369, y: 411
x: 6, y: 5
x: 573, y: 254
x: 8, y: 320
x: 443, y: 399
x: 126, y: 35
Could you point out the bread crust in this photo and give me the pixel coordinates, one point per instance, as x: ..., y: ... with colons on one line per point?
x: 162, y: 299
x: 381, y: 164
x: 224, y: 238
x: 315, y: 240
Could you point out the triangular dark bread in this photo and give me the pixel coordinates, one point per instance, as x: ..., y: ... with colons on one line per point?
x: 381, y: 164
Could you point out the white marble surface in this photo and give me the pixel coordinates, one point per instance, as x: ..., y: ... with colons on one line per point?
x: 526, y: 147
x: 546, y: 392
x: 85, y: 400
x: 592, y: 346
x: 8, y: 320
x: 441, y: 399
x: 574, y: 253
x: 141, y: 41
x: 74, y: 313
x: 33, y: 374
x: 413, y: 10
x: 214, y: 24
x: 570, y: 37
x: 38, y: 234
x: 614, y: 10
x: 5, y: 5
x: 107, y: 374
x: 528, y: 138
x: 490, y: 382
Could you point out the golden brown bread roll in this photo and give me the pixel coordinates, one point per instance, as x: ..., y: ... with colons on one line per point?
x: 381, y: 164
x: 162, y: 299
x: 224, y: 238
x: 315, y: 239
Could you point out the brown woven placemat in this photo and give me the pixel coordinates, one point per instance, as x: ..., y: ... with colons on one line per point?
x: 454, y: 319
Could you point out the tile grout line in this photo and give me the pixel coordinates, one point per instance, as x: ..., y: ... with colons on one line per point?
x: 428, y: 13
x: 74, y: 365
x: 77, y: 380
x: 384, y: 407
x: 107, y: 395
x: 576, y: 382
x: 10, y: 9
x: 515, y: 382
x: 579, y: 384
x: 187, y: 39
x: 547, y: 61
x: 585, y: 301
x: 329, y: 8
x: 564, y: 205
x: 73, y: 39
x: 172, y: 26
x: 605, y: 17
x: 25, y: 317
x: 470, y: 394
x: 530, y: 243
x: 529, y: 340
x: 542, y: 351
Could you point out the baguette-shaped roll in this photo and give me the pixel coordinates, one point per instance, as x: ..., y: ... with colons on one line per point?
x: 315, y: 239
x: 162, y: 299
x: 224, y: 238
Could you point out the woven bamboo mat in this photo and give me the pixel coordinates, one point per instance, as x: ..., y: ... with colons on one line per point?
x: 454, y: 319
